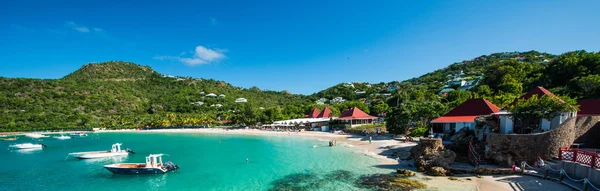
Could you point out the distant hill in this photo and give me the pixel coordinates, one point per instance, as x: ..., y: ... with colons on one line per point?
x: 123, y: 94
x: 126, y: 95
x: 575, y: 74
x: 112, y: 71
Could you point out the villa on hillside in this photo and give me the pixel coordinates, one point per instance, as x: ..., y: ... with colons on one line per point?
x: 356, y: 117
x: 463, y: 116
x: 531, y: 125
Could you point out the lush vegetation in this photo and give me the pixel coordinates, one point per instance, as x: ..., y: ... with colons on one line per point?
x: 572, y: 76
x: 126, y: 95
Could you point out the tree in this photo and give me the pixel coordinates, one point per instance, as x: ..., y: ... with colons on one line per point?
x: 588, y: 86
x: 546, y: 107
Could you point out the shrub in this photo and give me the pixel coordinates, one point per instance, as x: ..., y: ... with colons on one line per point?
x: 418, y: 132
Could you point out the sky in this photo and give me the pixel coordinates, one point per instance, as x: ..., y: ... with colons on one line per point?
x: 301, y: 46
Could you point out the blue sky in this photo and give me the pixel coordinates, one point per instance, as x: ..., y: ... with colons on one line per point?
x: 301, y: 46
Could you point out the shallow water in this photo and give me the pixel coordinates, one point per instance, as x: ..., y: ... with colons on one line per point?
x: 207, y: 161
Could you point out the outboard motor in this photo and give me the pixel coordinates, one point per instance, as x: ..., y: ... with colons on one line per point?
x: 43, y: 145
x: 170, y: 166
x: 129, y: 151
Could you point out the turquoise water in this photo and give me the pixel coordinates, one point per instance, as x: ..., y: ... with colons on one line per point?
x: 208, y: 162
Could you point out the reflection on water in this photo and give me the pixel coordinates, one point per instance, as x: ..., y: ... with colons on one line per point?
x: 107, y: 160
x: 26, y: 151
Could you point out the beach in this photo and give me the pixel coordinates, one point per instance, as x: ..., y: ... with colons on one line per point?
x: 381, y: 148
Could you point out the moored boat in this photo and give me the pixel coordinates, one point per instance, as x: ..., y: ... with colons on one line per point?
x: 27, y: 146
x: 9, y: 139
x: 79, y: 134
x: 115, y: 151
x: 63, y: 137
x: 35, y: 135
x: 153, y: 165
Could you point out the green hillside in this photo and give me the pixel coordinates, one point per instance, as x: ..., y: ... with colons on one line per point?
x: 127, y: 95
x: 121, y: 94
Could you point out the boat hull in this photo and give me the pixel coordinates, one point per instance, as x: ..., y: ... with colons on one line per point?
x: 100, y: 154
x: 26, y: 146
x: 141, y: 170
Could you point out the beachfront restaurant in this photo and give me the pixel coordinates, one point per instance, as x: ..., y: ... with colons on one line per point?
x: 314, y: 124
x: 356, y: 117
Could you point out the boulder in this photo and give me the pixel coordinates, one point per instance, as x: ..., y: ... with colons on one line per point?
x: 430, y: 153
x: 404, y: 173
x: 436, y: 171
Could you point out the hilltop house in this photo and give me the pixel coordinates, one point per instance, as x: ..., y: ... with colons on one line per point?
x: 355, y: 117
x: 589, y: 107
x: 211, y: 95
x: 241, y: 100
x: 337, y: 100
x: 463, y: 116
x: 531, y: 125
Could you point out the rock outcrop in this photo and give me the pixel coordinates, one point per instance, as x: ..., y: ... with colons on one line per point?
x: 430, y: 153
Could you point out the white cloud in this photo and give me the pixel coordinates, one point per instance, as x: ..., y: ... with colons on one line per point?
x: 83, y: 29
x: 77, y: 27
x: 98, y: 30
x: 213, y: 21
x: 202, y: 55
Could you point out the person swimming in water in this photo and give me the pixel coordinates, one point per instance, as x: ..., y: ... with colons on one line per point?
x: 246, y: 160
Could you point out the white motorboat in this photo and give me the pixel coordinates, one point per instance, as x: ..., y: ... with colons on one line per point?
x: 79, y: 134
x: 153, y: 165
x: 27, y: 146
x: 35, y: 135
x: 115, y: 151
x: 63, y: 137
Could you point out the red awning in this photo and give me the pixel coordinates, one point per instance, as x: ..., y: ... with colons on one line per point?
x: 454, y: 119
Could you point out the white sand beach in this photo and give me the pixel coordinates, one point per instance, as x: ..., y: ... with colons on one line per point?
x: 379, y: 148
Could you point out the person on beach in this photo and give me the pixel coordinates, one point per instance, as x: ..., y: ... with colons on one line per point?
x: 515, y: 167
x: 540, y: 162
x: 370, y: 139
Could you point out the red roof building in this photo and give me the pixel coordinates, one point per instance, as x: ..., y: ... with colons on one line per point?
x: 463, y: 116
x: 468, y: 111
x: 589, y: 107
x: 315, y: 112
x: 539, y: 91
x: 325, y: 113
x: 356, y: 117
x: 355, y: 113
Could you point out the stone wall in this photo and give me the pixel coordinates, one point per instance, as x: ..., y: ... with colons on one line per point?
x: 588, y: 131
x: 509, y: 148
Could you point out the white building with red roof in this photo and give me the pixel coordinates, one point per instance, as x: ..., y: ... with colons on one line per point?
x: 463, y: 116
x: 531, y: 125
x: 356, y: 117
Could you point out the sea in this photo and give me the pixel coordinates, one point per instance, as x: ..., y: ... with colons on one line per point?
x: 207, y: 161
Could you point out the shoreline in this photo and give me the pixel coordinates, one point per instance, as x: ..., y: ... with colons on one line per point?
x: 380, y: 148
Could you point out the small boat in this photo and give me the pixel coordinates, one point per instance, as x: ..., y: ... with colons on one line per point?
x: 115, y: 151
x: 27, y: 146
x: 79, y: 134
x: 35, y: 135
x: 9, y: 139
x: 153, y: 165
x: 2, y: 136
x: 63, y: 137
